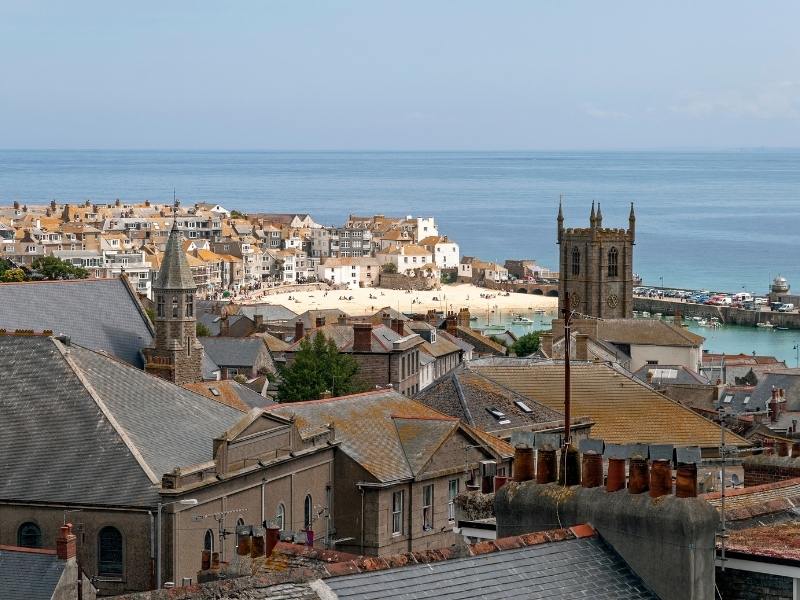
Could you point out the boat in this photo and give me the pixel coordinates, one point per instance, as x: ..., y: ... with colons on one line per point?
x: 658, y: 315
x: 520, y: 320
x: 703, y: 323
x: 766, y: 325
x: 715, y: 322
x: 540, y: 311
x: 697, y: 318
x: 473, y: 318
x: 782, y: 328
x: 645, y: 315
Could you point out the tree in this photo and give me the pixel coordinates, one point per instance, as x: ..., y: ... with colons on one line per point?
x: 15, y: 274
x: 526, y: 344
x: 51, y: 267
x: 202, y: 330
x: 318, y: 367
x: 389, y: 268
x: 235, y: 214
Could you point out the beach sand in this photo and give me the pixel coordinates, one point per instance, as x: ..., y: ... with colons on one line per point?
x: 450, y: 297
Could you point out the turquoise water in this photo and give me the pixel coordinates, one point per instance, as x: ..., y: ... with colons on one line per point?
x: 718, y: 220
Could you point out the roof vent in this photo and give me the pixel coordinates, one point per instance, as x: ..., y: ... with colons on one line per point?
x: 64, y: 339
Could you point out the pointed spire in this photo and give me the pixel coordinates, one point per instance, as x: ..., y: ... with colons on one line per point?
x: 560, y: 210
x: 632, y: 216
x: 592, y: 216
x: 599, y: 216
x: 175, y: 273
x: 632, y: 224
x: 560, y: 219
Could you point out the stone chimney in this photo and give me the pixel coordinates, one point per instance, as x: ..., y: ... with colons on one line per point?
x: 299, y: 330
x: 66, y: 543
x: 464, y: 317
x: 451, y: 323
x: 581, y: 346
x: 258, y: 321
x: 224, y: 326
x: 546, y: 343
x: 362, y: 337
x: 397, y: 326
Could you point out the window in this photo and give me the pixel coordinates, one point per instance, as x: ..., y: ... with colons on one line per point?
x: 109, y: 552
x: 189, y: 305
x: 452, y: 492
x: 308, y: 513
x: 613, y: 269
x: 397, y: 513
x: 576, y: 261
x: 280, y: 517
x: 208, y: 541
x: 499, y: 415
x: 427, y: 508
x: 728, y: 398
x: 174, y: 307
x: 522, y: 406
x: 29, y: 536
x: 239, y: 523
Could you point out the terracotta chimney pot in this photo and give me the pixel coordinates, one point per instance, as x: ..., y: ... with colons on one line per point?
x: 616, y: 475
x: 639, y: 476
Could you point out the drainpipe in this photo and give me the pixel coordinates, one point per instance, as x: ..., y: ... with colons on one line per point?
x: 263, y: 485
x: 410, y: 515
x: 362, y: 520
x: 152, y: 548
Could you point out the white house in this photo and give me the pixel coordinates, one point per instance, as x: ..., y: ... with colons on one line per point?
x: 409, y: 258
x: 445, y: 253
x: 340, y: 271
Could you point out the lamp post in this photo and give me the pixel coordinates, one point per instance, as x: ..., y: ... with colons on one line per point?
x: 796, y: 349
x: 184, y: 502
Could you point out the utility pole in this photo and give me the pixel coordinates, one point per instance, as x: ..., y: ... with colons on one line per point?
x: 567, y: 383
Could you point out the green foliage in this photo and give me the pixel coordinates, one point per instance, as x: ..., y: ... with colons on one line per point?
x: 151, y: 314
x: 51, y: 267
x: 235, y: 214
x: 12, y: 275
x: 389, y: 268
x: 526, y: 344
x: 318, y: 367
x: 202, y: 330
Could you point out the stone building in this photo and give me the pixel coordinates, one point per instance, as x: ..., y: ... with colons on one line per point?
x: 596, y: 267
x: 176, y: 354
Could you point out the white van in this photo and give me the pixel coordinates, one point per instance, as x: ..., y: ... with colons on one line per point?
x: 786, y: 307
x: 743, y: 297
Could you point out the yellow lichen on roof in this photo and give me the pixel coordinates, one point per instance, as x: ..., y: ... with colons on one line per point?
x: 624, y: 410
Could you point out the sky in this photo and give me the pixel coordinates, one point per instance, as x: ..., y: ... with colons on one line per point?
x: 402, y: 75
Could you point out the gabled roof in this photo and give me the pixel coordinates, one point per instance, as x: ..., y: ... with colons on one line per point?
x: 467, y: 395
x: 230, y: 393
x: 331, y: 315
x: 269, y: 312
x: 175, y: 273
x: 382, y: 337
x: 101, y: 314
x: 94, y: 430
x: 28, y: 573
x: 624, y: 409
x: 646, y: 332
x: 669, y: 374
x: 234, y: 352
x: 389, y: 435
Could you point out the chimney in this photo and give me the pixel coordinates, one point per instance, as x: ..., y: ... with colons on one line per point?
x: 546, y: 343
x: 783, y: 448
x: 523, y: 463
x: 341, y: 320
x: 773, y: 406
x: 660, y: 478
x: 464, y: 317
x: 258, y: 321
x: 581, y: 346
x: 639, y: 476
x: 362, y: 337
x: 686, y: 481
x: 273, y: 535
x: 319, y: 322
x: 66, y: 544
x: 451, y: 323
x: 488, y: 472
x: 499, y: 482
x: 386, y: 319
x: 569, y: 467
x: 795, y: 449
x: 397, y: 326
x: 592, y: 470
x: 546, y: 468
x: 616, y: 475
x: 224, y: 326
x: 298, y: 330
x: 430, y: 317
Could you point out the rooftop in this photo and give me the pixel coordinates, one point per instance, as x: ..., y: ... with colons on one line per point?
x: 29, y: 573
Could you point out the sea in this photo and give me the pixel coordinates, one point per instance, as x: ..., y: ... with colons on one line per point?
x: 718, y: 220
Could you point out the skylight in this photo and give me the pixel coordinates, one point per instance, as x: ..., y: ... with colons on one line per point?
x: 523, y: 407
x: 746, y: 400
x: 214, y: 391
x: 728, y: 399
x: 499, y: 415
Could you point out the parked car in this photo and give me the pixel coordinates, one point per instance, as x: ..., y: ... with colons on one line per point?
x: 788, y: 307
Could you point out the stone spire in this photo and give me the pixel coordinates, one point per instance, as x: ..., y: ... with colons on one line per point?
x: 632, y: 224
x: 175, y: 273
x: 560, y: 220
x: 592, y: 216
x: 599, y: 217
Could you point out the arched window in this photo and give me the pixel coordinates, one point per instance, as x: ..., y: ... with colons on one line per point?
x: 29, y: 535
x: 189, y: 305
x: 613, y: 262
x: 160, y: 306
x: 109, y: 552
x: 239, y: 523
x: 280, y: 517
x: 208, y: 541
x: 308, y: 510
x: 576, y: 261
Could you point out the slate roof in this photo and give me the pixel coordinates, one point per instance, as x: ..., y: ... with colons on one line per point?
x: 331, y: 316
x: 234, y: 352
x: 570, y: 568
x: 670, y: 374
x: 101, y: 314
x: 480, y: 342
x: 759, y: 503
x: 389, y: 435
x: 93, y: 429
x: 646, y: 332
x: 213, y: 322
x: 27, y: 574
x: 231, y: 393
x: 270, y: 312
x: 382, y: 337
x: 770, y: 543
x: 624, y: 410
x: 467, y: 395
x: 786, y: 379
x: 175, y: 273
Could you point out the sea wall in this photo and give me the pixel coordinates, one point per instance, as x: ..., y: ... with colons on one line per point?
x: 726, y: 314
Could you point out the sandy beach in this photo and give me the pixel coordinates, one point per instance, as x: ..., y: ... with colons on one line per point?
x: 450, y: 297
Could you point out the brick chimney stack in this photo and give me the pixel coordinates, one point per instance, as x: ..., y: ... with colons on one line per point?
x: 397, y: 326
x: 299, y: 330
x: 66, y: 543
x: 451, y: 323
x: 362, y: 337
x: 581, y: 346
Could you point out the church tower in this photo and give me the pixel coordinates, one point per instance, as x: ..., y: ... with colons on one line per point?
x: 176, y: 355
x: 596, y: 267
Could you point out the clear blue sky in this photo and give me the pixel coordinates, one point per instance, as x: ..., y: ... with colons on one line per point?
x: 399, y: 75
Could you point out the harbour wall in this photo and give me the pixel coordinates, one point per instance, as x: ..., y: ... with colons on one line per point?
x: 726, y: 314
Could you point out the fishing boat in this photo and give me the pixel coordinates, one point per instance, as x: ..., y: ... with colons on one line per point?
x: 703, y: 323
x: 645, y: 315
x: 520, y: 320
x: 715, y: 322
x: 782, y: 328
x: 765, y: 325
